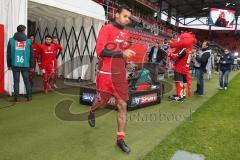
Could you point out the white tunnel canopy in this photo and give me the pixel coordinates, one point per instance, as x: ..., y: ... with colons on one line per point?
x: 59, y: 17
x: 83, y: 7
x: 50, y: 14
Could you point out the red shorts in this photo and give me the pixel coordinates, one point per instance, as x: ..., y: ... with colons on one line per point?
x: 107, y: 87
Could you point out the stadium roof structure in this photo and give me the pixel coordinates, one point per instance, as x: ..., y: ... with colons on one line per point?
x: 196, y: 8
x: 195, y: 13
x: 87, y: 7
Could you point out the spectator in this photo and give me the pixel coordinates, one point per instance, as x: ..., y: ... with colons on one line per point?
x: 196, y: 64
x: 218, y: 57
x: 202, y: 58
x: 210, y: 66
x: 156, y: 54
x: 36, y: 51
x: 20, y: 60
x: 165, y: 45
x: 157, y: 57
x: 225, y: 62
x: 141, y: 23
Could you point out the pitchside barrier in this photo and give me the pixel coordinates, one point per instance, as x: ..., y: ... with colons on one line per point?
x: 137, y: 99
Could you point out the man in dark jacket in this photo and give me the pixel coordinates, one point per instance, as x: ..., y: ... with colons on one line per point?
x: 202, y: 58
x: 20, y: 60
x: 225, y: 63
x: 157, y: 56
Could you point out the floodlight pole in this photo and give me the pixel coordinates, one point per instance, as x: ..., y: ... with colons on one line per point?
x: 160, y: 10
x: 236, y: 23
x: 210, y: 30
x: 169, y: 14
x: 177, y: 21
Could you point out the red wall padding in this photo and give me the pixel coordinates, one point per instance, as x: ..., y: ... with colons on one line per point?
x: 1, y: 59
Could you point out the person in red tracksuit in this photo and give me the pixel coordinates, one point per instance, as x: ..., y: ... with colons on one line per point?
x: 59, y: 52
x: 58, y: 46
x: 48, y: 63
x: 111, y: 80
x: 36, y: 51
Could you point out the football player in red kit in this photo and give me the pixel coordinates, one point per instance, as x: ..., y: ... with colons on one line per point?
x: 48, y: 63
x: 59, y: 52
x: 36, y: 51
x: 111, y: 77
x: 58, y: 46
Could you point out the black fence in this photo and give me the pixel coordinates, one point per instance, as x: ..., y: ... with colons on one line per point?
x: 71, y: 37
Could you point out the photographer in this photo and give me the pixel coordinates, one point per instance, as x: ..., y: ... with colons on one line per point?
x: 20, y: 60
x: 202, y: 58
x: 196, y: 65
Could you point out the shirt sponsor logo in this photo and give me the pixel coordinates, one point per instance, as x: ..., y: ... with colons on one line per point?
x: 49, y: 52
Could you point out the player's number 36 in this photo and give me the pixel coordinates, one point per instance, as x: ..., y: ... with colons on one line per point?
x: 20, y: 59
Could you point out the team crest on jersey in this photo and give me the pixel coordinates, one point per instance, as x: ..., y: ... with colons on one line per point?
x: 20, y: 45
x: 120, y: 37
x: 122, y: 34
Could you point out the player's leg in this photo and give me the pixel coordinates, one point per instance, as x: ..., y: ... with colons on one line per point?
x: 45, y: 81
x: 100, y: 101
x: 104, y: 88
x: 31, y: 73
x: 187, y: 81
x: 121, y: 115
x: 179, y: 87
x: 121, y: 123
x: 54, y: 76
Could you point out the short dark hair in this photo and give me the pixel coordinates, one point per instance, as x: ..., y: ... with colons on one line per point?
x: 207, y: 43
x: 21, y: 28
x: 54, y: 37
x: 122, y: 7
x: 48, y: 36
x: 31, y: 35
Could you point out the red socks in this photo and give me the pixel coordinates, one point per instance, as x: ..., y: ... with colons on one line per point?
x: 90, y: 110
x: 179, y: 89
x: 120, y: 136
x: 184, y: 90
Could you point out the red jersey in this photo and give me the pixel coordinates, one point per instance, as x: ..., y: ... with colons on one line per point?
x: 36, y: 49
x: 111, y: 41
x: 48, y: 55
x: 59, y: 48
